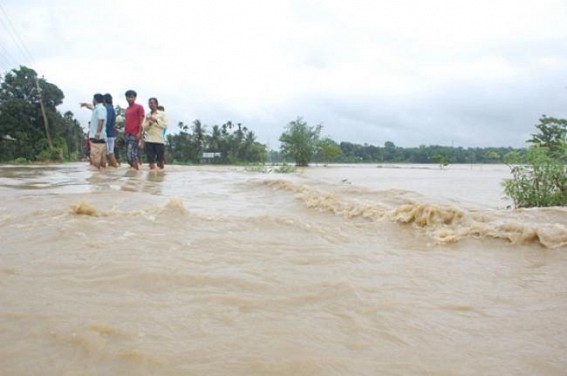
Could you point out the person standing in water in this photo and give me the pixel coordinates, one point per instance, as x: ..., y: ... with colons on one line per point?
x: 110, y: 130
x: 134, y: 117
x: 154, y: 126
x: 97, y: 131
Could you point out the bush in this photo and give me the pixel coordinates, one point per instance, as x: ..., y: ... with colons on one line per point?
x: 50, y: 155
x: 542, y: 182
x: 284, y: 168
x: 21, y: 160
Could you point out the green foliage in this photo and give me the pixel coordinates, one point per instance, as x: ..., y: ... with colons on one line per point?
x: 22, y: 123
x: 234, y: 142
x: 120, y: 118
x: 256, y: 153
x: 300, y: 141
x: 7, y: 148
x: 284, y: 168
x: 542, y: 182
x: 390, y: 153
x: 257, y: 168
x: 50, y: 155
x: 552, y: 135
x: 329, y: 150
x: 512, y: 157
x: 441, y: 160
x: 493, y: 156
x: 21, y: 161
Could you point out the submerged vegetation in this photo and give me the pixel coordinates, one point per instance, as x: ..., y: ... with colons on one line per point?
x: 540, y: 180
x: 283, y: 168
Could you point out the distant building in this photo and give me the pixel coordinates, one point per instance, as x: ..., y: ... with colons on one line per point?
x: 8, y: 138
x: 209, y: 157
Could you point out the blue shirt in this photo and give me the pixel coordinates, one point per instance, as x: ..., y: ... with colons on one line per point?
x: 110, y: 121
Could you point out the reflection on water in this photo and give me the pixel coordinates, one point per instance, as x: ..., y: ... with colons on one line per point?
x: 76, y: 178
x: 148, y: 182
x: 156, y: 176
x: 344, y: 270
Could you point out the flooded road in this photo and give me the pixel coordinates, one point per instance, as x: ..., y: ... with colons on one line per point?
x: 339, y: 270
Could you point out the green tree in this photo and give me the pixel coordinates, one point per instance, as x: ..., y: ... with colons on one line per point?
x: 199, y: 139
x: 552, y: 135
x: 329, y: 150
x: 441, y: 160
x: 542, y: 181
x: 21, y: 118
x: 235, y: 143
x: 299, y: 142
x: 258, y: 153
x: 215, y: 139
x: 179, y: 147
x: 390, y: 152
x: 512, y: 157
x: 492, y: 155
x: 73, y: 137
x: 246, y: 144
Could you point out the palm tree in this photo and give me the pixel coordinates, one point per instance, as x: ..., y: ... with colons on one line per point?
x: 199, y: 138
x: 215, y: 139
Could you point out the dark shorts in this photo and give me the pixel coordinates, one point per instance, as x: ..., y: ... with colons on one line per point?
x: 132, y: 148
x: 154, y: 152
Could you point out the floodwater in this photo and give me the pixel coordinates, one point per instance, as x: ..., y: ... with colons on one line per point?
x: 338, y: 270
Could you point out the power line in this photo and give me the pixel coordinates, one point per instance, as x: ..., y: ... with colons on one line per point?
x: 4, y: 64
x: 16, y: 37
x: 5, y: 57
x: 27, y: 56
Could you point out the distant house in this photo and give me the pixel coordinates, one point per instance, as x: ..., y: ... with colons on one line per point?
x: 209, y: 157
x: 8, y: 138
x: 7, y: 148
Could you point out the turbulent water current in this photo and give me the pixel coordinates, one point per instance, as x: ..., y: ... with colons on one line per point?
x: 327, y: 270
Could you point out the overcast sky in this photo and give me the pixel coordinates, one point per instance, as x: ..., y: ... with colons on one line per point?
x: 436, y: 72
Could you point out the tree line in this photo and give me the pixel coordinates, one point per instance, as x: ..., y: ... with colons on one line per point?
x: 25, y: 135
x: 303, y: 144
x: 228, y: 143
x: 32, y: 129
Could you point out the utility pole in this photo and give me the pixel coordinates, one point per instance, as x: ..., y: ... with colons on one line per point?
x: 43, y: 114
